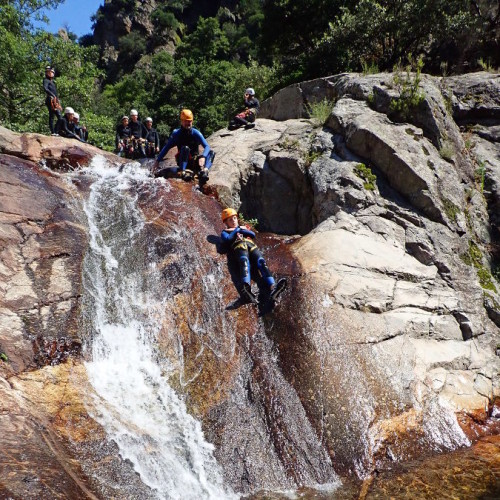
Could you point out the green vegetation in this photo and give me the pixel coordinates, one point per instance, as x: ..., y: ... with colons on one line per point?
x: 446, y: 151
x: 365, y: 173
x: 474, y: 258
x: 407, y: 82
x: 4, y: 357
x: 450, y: 209
x: 320, y: 111
x: 252, y: 223
x: 479, y: 175
x: 486, y: 65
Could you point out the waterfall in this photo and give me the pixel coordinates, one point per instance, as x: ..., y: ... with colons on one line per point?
x: 123, y: 306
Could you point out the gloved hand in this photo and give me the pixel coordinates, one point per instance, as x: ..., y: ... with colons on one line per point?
x: 186, y: 175
x: 203, y: 175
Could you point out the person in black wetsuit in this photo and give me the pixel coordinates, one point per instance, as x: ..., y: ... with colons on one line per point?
x: 139, y: 132
x: 51, y: 98
x: 247, y: 117
x: 81, y: 130
x: 65, y: 126
x: 122, y: 138
x: 152, y: 139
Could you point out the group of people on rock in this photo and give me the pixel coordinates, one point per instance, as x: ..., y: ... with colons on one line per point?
x: 67, y: 124
x: 134, y: 138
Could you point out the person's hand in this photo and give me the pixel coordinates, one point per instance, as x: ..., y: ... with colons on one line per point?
x: 201, y: 161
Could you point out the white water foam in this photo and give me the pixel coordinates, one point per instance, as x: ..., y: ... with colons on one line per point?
x: 134, y: 403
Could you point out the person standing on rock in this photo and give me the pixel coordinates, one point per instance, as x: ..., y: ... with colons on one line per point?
x: 247, y: 118
x: 51, y: 98
x: 188, y: 141
x: 244, y: 255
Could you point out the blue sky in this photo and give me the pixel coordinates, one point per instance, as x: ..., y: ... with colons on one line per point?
x: 74, y: 13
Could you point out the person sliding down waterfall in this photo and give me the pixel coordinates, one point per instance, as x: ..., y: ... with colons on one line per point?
x: 188, y: 141
x: 243, y: 253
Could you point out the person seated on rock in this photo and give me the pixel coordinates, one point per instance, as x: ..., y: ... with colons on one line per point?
x: 65, y: 126
x: 80, y: 130
x: 139, y: 132
x: 247, y: 117
x: 152, y: 139
x: 244, y: 256
x: 122, y: 138
x: 189, y: 161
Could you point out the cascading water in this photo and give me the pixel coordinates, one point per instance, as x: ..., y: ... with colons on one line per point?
x: 124, y: 303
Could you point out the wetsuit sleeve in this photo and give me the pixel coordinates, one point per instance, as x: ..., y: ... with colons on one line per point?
x: 228, y: 237
x: 203, y: 142
x: 172, y: 141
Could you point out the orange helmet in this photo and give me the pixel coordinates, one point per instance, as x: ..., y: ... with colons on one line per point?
x: 187, y: 114
x: 228, y: 212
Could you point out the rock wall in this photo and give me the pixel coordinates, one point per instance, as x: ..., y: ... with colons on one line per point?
x: 398, y: 246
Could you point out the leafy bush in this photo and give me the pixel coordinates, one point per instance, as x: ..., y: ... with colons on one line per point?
x: 365, y: 173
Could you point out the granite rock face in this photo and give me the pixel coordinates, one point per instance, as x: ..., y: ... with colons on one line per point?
x: 399, y: 240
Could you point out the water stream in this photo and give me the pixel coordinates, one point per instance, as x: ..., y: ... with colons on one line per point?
x: 123, y: 304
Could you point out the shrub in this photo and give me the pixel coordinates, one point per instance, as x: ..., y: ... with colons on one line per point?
x: 365, y: 173
x: 320, y: 111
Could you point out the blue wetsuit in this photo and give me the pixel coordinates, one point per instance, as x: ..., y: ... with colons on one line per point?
x: 244, y: 252
x: 187, y: 142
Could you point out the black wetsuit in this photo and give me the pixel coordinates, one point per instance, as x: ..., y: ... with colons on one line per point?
x: 51, y: 90
x: 66, y: 129
x: 123, y: 134
x: 81, y: 132
x: 138, y: 132
x: 248, y: 116
x: 152, y: 142
x: 253, y: 106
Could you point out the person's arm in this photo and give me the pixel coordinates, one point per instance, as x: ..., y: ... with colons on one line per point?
x: 228, y: 237
x: 247, y: 232
x: 203, y: 142
x: 172, y: 141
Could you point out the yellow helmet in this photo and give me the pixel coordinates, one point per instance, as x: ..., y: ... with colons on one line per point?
x: 228, y: 212
x: 187, y: 114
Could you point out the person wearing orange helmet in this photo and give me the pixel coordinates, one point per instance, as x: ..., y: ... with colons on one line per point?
x: 188, y: 141
x: 244, y: 256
